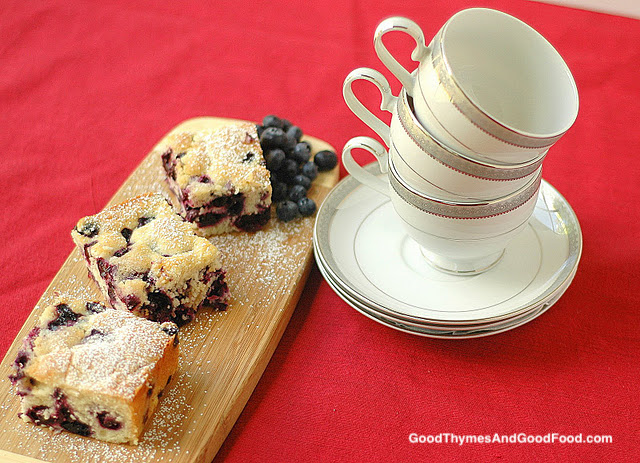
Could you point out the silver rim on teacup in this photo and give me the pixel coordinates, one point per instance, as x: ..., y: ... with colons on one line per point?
x: 438, y: 59
x: 453, y: 159
x: 473, y: 113
x: 326, y: 227
x: 461, y: 210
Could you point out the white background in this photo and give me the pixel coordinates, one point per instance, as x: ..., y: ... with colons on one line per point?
x: 630, y: 8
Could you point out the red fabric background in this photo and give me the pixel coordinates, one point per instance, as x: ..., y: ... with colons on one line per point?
x: 87, y: 88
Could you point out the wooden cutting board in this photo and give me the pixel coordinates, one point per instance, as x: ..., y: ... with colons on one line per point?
x: 223, y: 354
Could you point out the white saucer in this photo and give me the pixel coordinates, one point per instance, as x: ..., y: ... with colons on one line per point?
x: 434, y: 331
x: 360, y: 244
x: 380, y: 313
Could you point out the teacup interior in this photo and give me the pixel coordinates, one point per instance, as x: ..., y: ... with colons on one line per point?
x: 510, y: 72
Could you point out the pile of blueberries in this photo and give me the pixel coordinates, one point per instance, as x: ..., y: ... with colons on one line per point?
x: 292, y: 171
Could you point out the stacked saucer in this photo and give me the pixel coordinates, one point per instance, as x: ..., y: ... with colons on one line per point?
x: 366, y: 256
x: 453, y: 232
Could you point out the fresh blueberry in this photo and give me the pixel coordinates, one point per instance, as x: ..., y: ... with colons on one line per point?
x: 306, y: 206
x: 273, y: 177
x: 273, y: 137
x: 289, y: 145
x: 274, y: 158
x: 301, y: 152
x: 287, y: 211
x: 302, y: 180
x: 295, y: 132
x: 325, y: 160
x: 286, y: 124
x: 297, y: 192
x: 310, y: 170
x: 259, y: 129
x: 272, y: 121
x: 278, y: 192
x: 288, y: 170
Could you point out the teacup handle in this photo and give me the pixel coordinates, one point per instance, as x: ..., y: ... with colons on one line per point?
x: 363, y: 176
x: 354, y: 104
x: 398, y: 23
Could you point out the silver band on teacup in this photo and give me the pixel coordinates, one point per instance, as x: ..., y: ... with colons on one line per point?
x: 454, y: 160
x: 471, y: 210
x: 472, y: 112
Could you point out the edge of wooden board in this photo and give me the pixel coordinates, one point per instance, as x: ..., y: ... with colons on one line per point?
x: 10, y: 457
x: 207, y: 449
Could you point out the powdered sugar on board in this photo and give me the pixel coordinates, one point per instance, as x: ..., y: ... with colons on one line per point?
x: 222, y: 353
x: 276, y: 251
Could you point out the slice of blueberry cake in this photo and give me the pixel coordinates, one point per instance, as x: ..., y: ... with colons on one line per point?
x: 93, y: 370
x: 219, y: 178
x: 148, y: 260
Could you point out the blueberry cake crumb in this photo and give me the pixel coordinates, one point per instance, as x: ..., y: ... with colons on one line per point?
x: 86, y: 369
x: 148, y: 260
x: 220, y: 178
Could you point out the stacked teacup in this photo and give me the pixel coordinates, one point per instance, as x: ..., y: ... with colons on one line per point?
x: 469, y: 131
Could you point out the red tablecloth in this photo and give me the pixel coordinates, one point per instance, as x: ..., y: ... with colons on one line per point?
x: 87, y: 88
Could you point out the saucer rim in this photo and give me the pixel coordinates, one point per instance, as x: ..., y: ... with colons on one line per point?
x: 437, y: 324
x: 343, y: 291
x: 449, y: 333
x: 549, y: 291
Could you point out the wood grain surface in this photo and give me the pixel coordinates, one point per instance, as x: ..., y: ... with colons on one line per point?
x: 223, y: 354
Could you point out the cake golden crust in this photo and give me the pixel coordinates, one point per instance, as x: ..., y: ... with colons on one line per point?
x: 219, y: 178
x: 93, y: 370
x: 148, y: 260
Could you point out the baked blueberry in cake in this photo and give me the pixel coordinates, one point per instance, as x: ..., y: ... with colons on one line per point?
x: 148, y: 260
x: 93, y: 370
x: 219, y: 178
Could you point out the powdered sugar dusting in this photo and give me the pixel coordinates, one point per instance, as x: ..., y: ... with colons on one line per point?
x: 113, y: 363
x: 229, y: 155
x: 262, y: 270
x: 117, y: 361
x: 150, y: 170
x: 71, y: 287
x: 275, y: 254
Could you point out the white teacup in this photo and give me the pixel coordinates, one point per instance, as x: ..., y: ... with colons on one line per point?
x: 487, y: 85
x: 437, y: 165
x: 465, y: 237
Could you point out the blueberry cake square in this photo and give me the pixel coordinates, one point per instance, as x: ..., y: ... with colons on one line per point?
x: 93, y: 370
x: 148, y: 260
x: 219, y: 178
